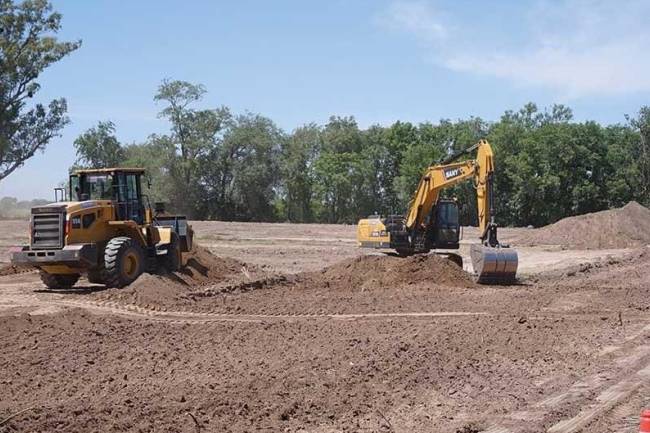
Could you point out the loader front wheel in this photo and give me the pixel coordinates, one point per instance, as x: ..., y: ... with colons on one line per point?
x: 123, y: 262
x: 59, y: 281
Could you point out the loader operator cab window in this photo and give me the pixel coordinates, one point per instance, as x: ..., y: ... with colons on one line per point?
x: 129, y: 202
x: 122, y: 188
x: 92, y: 187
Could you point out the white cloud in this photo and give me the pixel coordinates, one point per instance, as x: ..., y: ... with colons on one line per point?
x: 576, y: 48
x: 418, y: 17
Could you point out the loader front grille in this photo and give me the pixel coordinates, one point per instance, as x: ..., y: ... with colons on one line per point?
x: 47, y: 231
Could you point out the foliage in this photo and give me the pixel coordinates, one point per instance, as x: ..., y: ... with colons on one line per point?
x: 98, y: 147
x: 296, y: 189
x: 194, y: 135
x: 12, y: 208
x: 216, y: 165
x: 241, y: 173
x: 27, y: 47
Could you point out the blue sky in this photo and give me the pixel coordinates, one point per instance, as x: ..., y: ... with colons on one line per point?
x: 299, y: 61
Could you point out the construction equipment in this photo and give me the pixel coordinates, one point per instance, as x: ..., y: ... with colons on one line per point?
x: 106, y: 231
x: 432, y: 222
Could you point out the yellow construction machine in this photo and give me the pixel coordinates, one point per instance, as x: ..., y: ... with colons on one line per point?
x: 432, y: 221
x: 105, y: 230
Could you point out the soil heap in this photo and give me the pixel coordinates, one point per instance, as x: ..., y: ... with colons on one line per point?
x: 626, y: 227
x: 10, y: 269
x: 366, y: 272
x: 170, y: 289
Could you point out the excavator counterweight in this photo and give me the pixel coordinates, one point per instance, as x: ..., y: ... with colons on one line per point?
x: 431, y: 222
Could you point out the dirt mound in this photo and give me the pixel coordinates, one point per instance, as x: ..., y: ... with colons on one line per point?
x: 626, y: 227
x: 10, y: 269
x: 161, y: 291
x: 367, y: 272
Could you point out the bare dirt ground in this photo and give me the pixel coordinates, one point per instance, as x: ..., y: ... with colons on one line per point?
x: 295, y: 329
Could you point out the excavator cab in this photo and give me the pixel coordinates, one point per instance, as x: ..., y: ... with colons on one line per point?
x: 446, y: 227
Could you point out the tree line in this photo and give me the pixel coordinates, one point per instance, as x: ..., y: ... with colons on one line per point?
x: 214, y: 164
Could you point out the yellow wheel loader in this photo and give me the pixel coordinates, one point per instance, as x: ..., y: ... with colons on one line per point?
x: 106, y: 230
x: 432, y: 222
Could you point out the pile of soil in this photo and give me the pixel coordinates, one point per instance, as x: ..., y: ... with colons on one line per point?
x: 10, y: 269
x: 203, y: 269
x: 363, y: 284
x: 626, y: 227
x: 367, y: 272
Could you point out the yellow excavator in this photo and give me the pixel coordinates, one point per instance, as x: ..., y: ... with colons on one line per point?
x: 432, y: 221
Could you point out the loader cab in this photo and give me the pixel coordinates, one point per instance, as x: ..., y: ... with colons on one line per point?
x: 122, y: 186
x: 446, y: 227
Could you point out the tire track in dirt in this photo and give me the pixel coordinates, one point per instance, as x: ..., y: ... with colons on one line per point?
x: 132, y: 310
x: 629, y: 372
x: 605, y: 401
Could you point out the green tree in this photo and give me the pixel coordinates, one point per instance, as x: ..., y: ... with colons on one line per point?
x: 98, y: 147
x: 642, y: 124
x: 154, y: 155
x: 341, y: 134
x: 194, y: 134
x: 343, y: 173
x: 240, y: 173
x: 298, y: 154
x: 341, y: 180
x: 624, y: 181
x: 27, y: 47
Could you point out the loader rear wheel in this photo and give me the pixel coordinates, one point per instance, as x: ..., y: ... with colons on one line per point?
x: 172, y: 260
x: 59, y: 281
x: 123, y: 262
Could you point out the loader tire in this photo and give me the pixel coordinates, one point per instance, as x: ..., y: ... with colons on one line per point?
x: 172, y: 260
x: 123, y: 262
x: 96, y: 276
x: 59, y: 281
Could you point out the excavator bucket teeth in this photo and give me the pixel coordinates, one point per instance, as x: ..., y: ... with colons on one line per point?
x: 494, y: 265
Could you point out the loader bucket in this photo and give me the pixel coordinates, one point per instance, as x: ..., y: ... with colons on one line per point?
x: 496, y: 265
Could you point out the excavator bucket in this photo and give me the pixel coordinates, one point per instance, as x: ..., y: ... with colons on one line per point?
x: 494, y: 265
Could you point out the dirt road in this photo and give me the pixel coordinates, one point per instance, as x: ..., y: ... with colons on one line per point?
x: 296, y: 337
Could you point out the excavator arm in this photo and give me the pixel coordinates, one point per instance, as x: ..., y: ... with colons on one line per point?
x: 447, y: 174
x: 435, y: 179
